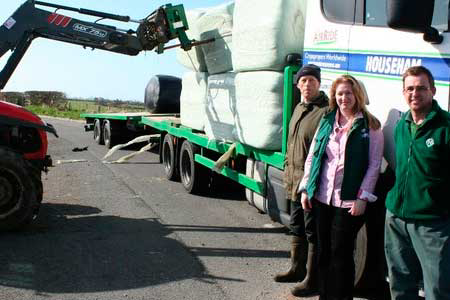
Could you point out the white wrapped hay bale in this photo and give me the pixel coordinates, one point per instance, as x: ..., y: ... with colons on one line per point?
x: 259, y: 109
x: 217, y: 23
x: 194, y: 58
x: 264, y: 32
x: 221, y: 107
x: 193, y: 100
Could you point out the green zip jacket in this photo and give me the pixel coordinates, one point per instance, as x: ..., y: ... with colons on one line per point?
x: 356, y: 156
x: 422, y: 186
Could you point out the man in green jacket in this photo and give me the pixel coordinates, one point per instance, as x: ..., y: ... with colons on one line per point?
x: 417, y: 230
x: 302, y: 127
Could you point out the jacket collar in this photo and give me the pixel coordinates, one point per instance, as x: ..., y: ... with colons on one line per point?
x: 431, y: 115
x: 349, y: 125
x: 321, y: 100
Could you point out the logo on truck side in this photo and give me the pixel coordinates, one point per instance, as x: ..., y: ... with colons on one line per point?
x: 325, y: 37
x: 390, y: 65
x: 89, y: 30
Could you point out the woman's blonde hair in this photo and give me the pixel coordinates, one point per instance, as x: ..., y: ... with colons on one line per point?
x: 360, y: 99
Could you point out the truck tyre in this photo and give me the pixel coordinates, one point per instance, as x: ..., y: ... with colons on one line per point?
x: 18, y: 195
x: 168, y: 158
x: 192, y: 174
x: 110, y: 134
x: 98, y: 132
x: 360, y: 254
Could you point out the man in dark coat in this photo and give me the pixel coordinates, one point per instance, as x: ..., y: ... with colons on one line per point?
x: 302, y: 127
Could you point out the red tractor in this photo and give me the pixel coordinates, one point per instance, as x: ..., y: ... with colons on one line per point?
x: 23, y: 140
x: 23, y: 157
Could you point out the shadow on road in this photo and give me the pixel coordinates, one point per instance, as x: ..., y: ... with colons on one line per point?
x: 79, y: 252
x: 74, y: 249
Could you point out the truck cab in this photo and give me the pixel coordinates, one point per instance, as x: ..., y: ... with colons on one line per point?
x: 376, y: 41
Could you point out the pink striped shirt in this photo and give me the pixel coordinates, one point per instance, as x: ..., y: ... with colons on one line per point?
x: 332, y: 173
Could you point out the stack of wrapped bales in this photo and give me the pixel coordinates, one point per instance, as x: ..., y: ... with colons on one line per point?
x: 241, y: 79
x: 205, y: 60
x: 194, y: 58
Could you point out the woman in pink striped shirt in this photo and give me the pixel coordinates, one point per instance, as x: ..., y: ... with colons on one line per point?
x: 341, y: 171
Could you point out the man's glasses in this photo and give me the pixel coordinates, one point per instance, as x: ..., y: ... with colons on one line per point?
x: 419, y: 89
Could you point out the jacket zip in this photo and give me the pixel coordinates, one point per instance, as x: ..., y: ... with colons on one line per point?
x: 406, y: 178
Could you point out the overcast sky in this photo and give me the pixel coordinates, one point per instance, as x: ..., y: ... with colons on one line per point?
x: 83, y: 73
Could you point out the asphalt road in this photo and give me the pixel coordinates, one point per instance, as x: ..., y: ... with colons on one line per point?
x: 122, y: 231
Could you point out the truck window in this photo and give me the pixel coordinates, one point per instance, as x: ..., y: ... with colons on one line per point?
x: 342, y: 11
x: 375, y: 14
x: 440, y: 15
x: 348, y: 12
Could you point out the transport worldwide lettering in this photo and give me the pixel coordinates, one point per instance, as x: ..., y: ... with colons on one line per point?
x: 390, y: 65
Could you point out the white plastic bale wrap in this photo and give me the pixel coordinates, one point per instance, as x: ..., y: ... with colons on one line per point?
x: 259, y: 109
x: 256, y: 171
x: 217, y: 23
x: 194, y: 58
x: 264, y: 32
x: 221, y: 107
x: 193, y: 100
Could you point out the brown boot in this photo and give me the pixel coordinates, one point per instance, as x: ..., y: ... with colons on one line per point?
x: 299, y: 248
x: 308, y: 286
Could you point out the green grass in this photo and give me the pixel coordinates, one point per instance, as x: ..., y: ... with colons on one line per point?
x: 74, y: 108
x: 53, y: 112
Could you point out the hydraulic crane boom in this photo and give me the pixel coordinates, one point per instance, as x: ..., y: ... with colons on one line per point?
x: 28, y: 22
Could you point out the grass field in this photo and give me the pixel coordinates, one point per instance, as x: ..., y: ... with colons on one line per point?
x: 74, y: 108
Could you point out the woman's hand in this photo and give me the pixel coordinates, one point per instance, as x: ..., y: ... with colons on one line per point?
x: 306, y: 204
x: 358, y: 207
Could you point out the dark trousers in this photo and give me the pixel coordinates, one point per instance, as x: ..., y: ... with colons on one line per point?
x: 303, y: 223
x: 416, y: 247
x: 336, y: 234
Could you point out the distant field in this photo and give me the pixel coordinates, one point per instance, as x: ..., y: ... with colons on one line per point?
x: 73, y: 108
x: 91, y: 106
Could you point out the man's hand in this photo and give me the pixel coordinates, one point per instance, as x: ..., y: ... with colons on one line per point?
x: 306, y: 204
x: 358, y: 207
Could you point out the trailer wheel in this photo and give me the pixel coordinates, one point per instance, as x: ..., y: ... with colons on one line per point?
x: 98, y: 132
x: 18, y: 197
x: 168, y: 158
x: 192, y: 174
x: 360, y: 254
x: 110, y: 134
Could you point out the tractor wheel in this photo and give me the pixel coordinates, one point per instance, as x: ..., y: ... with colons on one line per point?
x: 98, y: 132
x: 111, y: 134
x: 37, y: 181
x: 18, y: 195
x: 192, y: 174
x: 168, y: 158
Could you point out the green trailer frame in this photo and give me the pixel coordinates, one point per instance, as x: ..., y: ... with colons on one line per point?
x: 172, y: 126
x: 273, y: 158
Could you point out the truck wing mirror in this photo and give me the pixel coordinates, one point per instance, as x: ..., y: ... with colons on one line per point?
x: 413, y: 16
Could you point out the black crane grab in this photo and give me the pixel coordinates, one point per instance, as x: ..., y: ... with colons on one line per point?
x: 28, y: 22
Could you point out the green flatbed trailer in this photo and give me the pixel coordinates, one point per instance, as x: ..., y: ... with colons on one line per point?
x: 189, y: 155
x: 206, y: 150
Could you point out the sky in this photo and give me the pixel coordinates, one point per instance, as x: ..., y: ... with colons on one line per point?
x: 50, y: 65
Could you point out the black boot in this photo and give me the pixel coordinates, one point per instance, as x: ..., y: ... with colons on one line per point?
x: 299, y: 249
x: 308, y: 286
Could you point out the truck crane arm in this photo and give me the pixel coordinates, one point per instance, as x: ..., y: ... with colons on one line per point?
x: 28, y: 22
